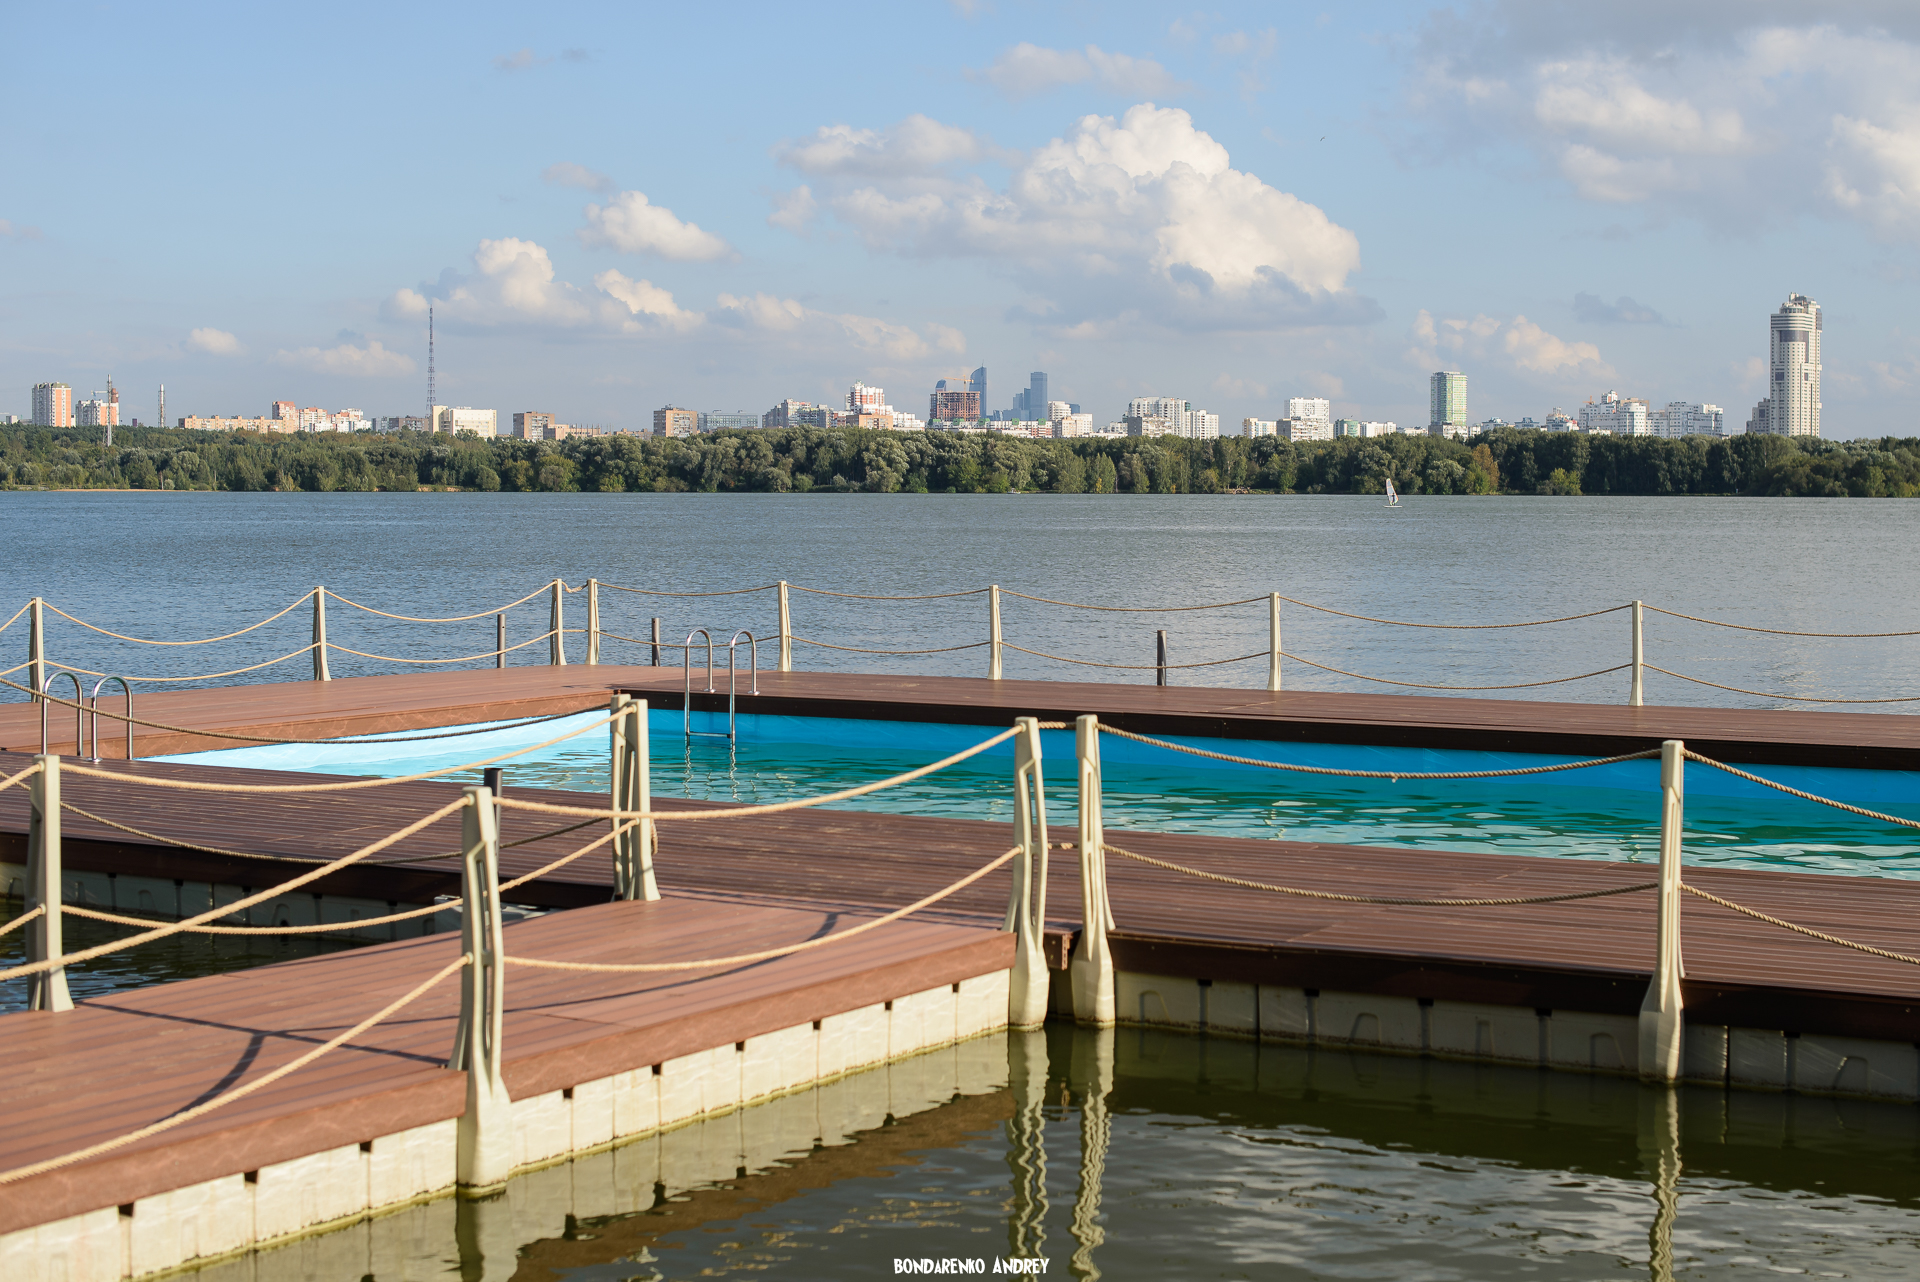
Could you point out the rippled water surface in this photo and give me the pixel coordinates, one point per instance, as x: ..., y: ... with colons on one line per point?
x: 175, y: 566
x: 1160, y: 1155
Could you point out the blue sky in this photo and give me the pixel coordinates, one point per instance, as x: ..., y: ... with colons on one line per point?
x: 614, y: 208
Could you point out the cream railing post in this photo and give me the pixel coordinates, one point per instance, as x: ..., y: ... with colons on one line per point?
x: 1092, y: 965
x: 1273, y: 634
x: 1027, y: 989
x: 556, y: 638
x: 484, y: 1156
x: 786, y: 630
x: 1634, y: 686
x: 632, y: 789
x: 993, y: 633
x: 48, y: 989
x: 36, y: 650
x: 320, y: 672
x: 1661, y: 1027
x: 593, y: 622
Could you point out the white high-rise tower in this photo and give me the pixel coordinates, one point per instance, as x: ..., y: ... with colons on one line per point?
x: 1793, y: 357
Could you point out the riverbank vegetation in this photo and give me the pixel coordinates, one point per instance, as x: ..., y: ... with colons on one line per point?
x: 799, y: 460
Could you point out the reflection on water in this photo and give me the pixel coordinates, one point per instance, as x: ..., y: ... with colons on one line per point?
x: 1137, y: 1154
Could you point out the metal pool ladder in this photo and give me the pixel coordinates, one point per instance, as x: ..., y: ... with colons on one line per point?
x: 82, y: 705
x: 731, y: 733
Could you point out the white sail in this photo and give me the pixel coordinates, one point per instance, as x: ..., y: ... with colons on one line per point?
x: 1392, y: 495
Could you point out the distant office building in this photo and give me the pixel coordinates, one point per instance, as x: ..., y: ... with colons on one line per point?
x: 1199, y: 425
x: 1447, y: 412
x: 785, y: 414
x: 1558, y: 420
x: 1760, y: 421
x: 1071, y: 424
x: 1684, y: 418
x: 671, y: 420
x: 1312, y: 409
x: 862, y: 399
x: 729, y: 422
x: 1305, y: 429
x: 286, y: 411
x: 102, y: 410
x: 1359, y: 427
x: 1258, y: 427
x: 1166, y: 407
x: 401, y: 423
x: 948, y: 403
x: 53, y: 404
x: 1148, y: 425
x: 445, y: 418
x: 1793, y: 357
x: 1617, y: 415
x: 533, y: 425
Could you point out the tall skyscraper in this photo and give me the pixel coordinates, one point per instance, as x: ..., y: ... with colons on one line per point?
x: 1310, y: 409
x: 978, y: 383
x: 1793, y: 355
x: 1037, y: 394
x: 1448, y: 415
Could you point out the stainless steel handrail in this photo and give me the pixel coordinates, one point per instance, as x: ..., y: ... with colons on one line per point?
x: 753, y: 668
x: 94, y: 704
x: 79, y: 714
x: 686, y: 697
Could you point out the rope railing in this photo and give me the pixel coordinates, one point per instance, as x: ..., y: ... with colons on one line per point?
x: 1795, y: 698
x: 453, y: 618
x: 767, y: 954
x: 854, y: 649
x: 1137, y: 667
x: 1781, y: 632
x: 1757, y: 915
x: 1796, y: 792
x: 1419, y: 685
x: 238, y: 905
x: 199, y: 676
x: 1394, y: 775
x: 298, y: 601
x: 765, y: 587
x: 38, y: 910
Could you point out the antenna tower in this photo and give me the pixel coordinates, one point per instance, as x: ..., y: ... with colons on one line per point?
x: 430, y: 397
x: 163, y: 404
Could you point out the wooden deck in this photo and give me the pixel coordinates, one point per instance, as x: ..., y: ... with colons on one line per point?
x: 117, y: 1063
x: 414, y: 701
x: 1591, y: 955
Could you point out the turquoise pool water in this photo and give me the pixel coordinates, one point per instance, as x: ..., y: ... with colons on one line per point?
x: 1607, y: 812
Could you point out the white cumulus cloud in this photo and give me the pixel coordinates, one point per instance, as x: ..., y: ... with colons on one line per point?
x: 631, y: 224
x: 215, y: 342
x: 771, y: 314
x: 1142, y: 209
x: 917, y: 145
x: 794, y: 209
x: 644, y: 299
x: 512, y: 281
x: 1028, y: 69
x: 371, y: 360
x: 565, y: 173
x: 1517, y: 343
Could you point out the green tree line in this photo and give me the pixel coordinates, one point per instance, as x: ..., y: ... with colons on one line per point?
x: 799, y: 460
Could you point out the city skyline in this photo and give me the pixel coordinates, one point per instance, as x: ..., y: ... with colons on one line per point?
x: 1245, y: 202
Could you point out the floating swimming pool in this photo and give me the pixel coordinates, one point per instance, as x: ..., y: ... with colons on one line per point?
x: 1606, y: 812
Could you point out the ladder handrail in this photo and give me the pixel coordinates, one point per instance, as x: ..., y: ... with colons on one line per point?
x: 79, y: 714
x: 686, y: 668
x: 94, y: 704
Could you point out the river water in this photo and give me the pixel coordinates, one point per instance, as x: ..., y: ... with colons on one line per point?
x: 172, y: 566
x: 1215, y: 1159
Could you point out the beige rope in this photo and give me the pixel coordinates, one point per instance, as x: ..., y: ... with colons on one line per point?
x: 458, y: 618
x: 1134, y: 667
x: 321, y: 928
x: 741, y: 959
x: 730, y: 592
x: 1395, y: 775
x: 1762, y: 694
x: 16, y: 615
x: 465, y: 658
x: 865, y: 596
x: 239, y: 1092
x: 1780, y: 632
x: 563, y: 861
x: 190, y: 785
x: 1801, y: 930
x: 854, y: 649
x: 238, y: 905
x: 202, y: 676
x: 735, y: 812
x: 1419, y: 685
x: 1808, y: 796
x: 23, y: 919
x: 183, y: 844
x: 11, y: 780
x: 1378, y: 899
x: 121, y: 636
x: 252, y: 738
x: 1132, y: 609
x: 1457, y: 627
